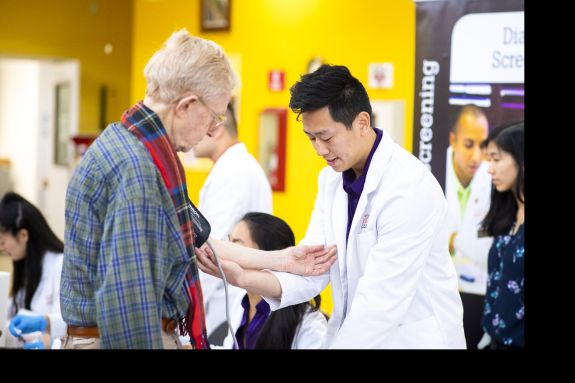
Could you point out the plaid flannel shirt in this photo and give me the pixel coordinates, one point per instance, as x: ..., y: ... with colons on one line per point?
x: 124, y: 258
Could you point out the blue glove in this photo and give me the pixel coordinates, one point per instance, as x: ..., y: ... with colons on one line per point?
x: 24, y: 324
x: 36, y: 345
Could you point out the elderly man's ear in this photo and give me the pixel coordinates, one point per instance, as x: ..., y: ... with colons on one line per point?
x: 186, y: 102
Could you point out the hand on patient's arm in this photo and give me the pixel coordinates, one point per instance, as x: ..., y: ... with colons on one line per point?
x: 307, y: 260
x: 302, y: 260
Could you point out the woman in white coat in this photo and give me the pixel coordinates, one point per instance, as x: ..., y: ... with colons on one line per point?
x: 301, y: 326
x: 37, y: 257
x: 394, y: 284
x: 236, y: 170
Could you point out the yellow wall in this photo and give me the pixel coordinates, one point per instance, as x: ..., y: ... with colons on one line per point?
x: 286, y: 34
x: 76, y: 29
x: 5, y: 263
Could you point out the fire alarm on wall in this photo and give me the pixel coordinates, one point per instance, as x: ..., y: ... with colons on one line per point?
x: 276, y: 80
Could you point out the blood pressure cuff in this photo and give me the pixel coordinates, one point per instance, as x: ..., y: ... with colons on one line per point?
x: 202, y: 227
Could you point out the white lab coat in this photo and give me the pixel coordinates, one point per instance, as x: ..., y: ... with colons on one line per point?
x: 471, y: 251
x: 235, y: 186
x: 46, y: 299
x: 394, y: 284
x: 310, y: 334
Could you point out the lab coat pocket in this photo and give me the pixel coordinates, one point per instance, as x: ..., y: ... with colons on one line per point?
x: 421, y: 334
x: 363, y: 243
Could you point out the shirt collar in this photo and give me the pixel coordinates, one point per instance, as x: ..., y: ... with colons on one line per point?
x: 352, y: 185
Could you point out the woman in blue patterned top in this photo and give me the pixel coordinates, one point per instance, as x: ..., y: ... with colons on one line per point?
x: 504, y: 310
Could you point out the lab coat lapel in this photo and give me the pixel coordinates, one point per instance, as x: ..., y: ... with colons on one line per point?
x: 339, y: 222
x: 379, y: 162
x: 339, y: 225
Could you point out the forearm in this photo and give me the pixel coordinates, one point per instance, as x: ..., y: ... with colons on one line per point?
x: 247, y: 257
x: 261, y: 283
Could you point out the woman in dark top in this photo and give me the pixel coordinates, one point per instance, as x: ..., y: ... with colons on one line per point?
x: 504, y: 311
x: 300, y: 326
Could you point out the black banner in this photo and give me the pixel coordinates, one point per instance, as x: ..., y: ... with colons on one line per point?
x: 488, y: 49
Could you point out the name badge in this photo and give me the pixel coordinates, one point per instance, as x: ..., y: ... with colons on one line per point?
x: 364, y: 221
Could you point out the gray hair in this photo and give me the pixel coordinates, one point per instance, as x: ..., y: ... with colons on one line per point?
x: 188, y: 64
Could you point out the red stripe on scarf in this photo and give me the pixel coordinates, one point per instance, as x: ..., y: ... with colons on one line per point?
x: 159, y: 165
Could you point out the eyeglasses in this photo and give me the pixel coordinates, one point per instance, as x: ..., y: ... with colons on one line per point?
x: 219, y: 118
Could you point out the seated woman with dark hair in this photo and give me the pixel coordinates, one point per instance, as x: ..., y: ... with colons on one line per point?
x: 300, y: 326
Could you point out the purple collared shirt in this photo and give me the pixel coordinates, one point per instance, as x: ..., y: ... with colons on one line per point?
x: 353, y: 187
x: 247, y: 334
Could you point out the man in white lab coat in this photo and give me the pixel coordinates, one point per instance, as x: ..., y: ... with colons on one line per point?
x: 468, y: 193
x: 394, y: 284
x: 235, y: 186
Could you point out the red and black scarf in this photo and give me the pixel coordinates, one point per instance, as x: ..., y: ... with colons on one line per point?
x: 148, y: 128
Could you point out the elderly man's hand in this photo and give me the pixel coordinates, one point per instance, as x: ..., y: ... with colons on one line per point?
x: 207, y: 263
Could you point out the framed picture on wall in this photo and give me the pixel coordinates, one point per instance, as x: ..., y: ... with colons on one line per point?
x: 215, y: 15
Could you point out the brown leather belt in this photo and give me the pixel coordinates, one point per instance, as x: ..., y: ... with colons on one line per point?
x: 168, y: 325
